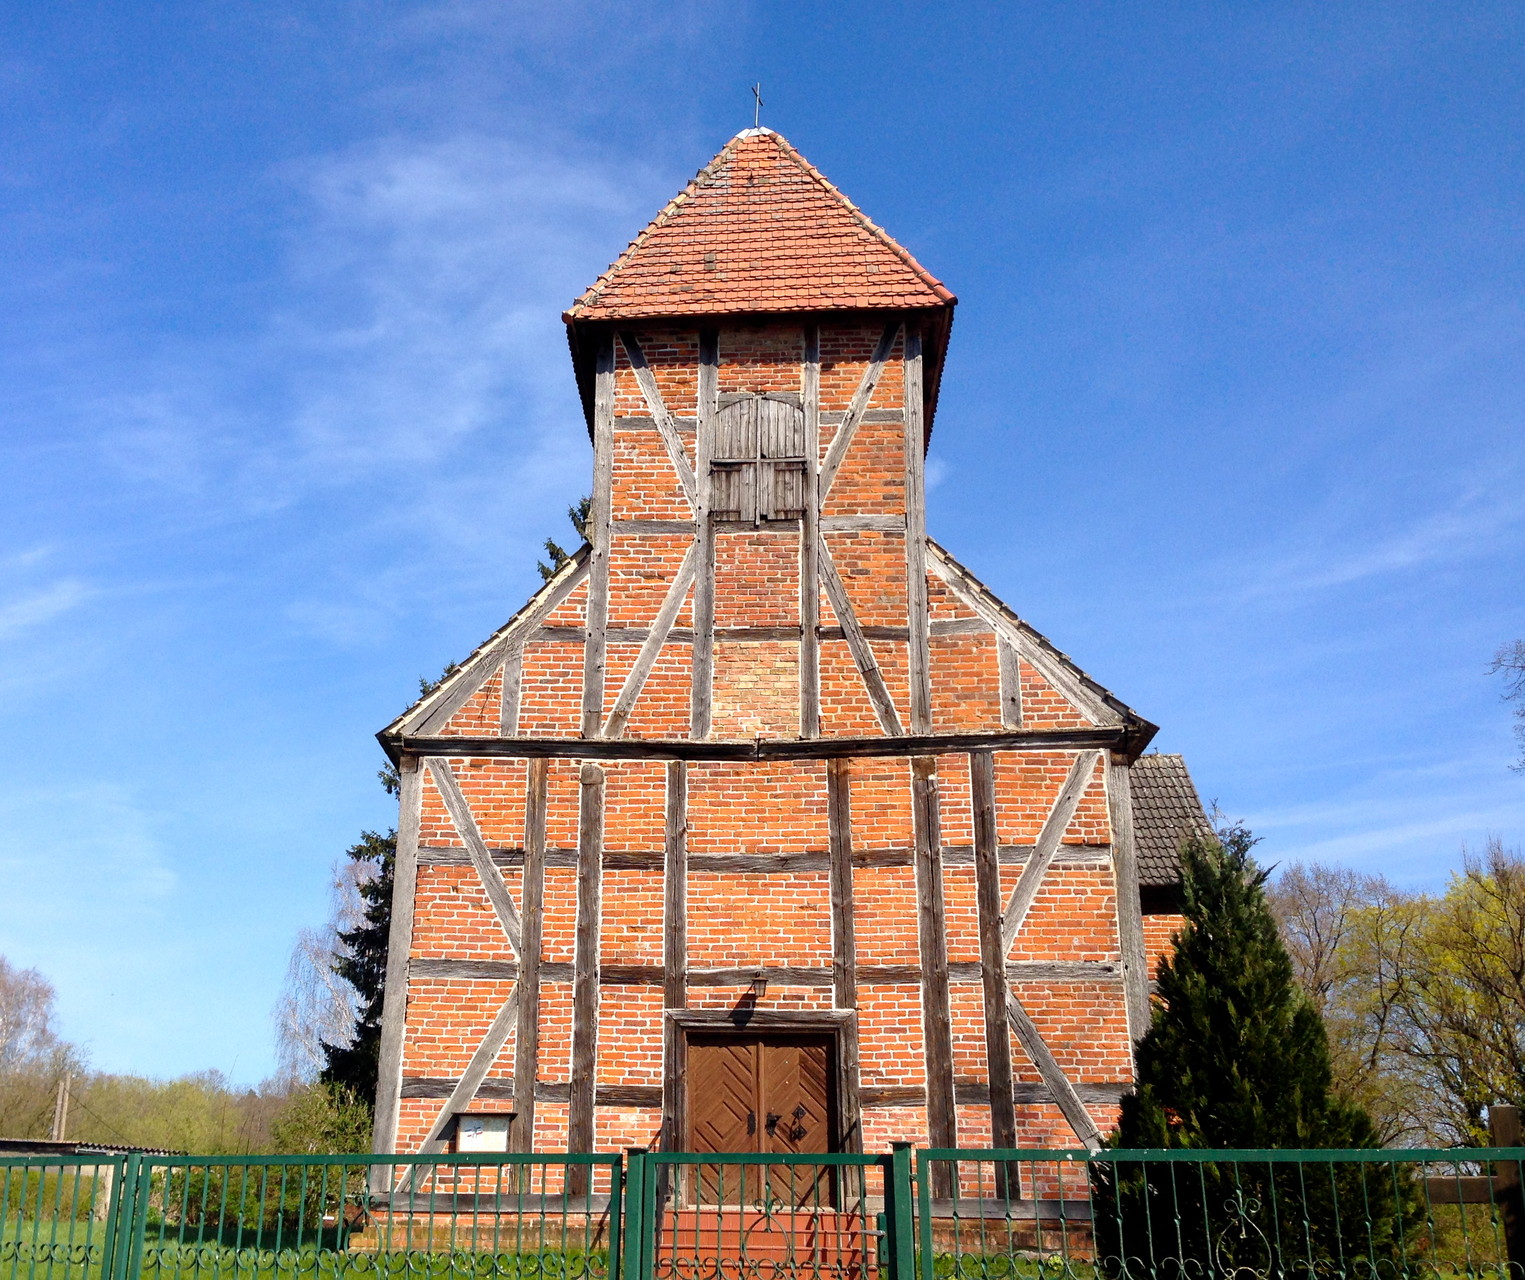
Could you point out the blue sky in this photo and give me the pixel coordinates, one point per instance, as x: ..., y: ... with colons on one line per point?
x: 1233, y: 411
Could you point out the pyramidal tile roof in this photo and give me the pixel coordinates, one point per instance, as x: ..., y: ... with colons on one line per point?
x: 759, y: 229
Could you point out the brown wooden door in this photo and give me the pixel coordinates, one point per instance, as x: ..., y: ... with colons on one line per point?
x: 762, y: 1094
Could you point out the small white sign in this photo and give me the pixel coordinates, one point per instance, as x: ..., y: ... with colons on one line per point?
x: 481, y: 1133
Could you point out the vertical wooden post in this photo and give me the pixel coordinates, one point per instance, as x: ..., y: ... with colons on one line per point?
x: 918, y: 647
x: 987, y: 892
x: 936, y: 1022
x: 508, y: 701
x: 703, y: 665
x: 527, y: 1036
x: 61, y: 1109
x: 674, y: 944
x: 1130, y: 917
x: 590, y: 863
x: 1504, y: 1125
x: 394, y: 1003
x: 844, y: 948
x: 599, y: 531
x: 810, y: 576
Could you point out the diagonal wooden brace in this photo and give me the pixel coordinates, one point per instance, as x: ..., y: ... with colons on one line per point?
x: 476, y: 848
x: 1054, y: 826
x: 471, y: 1079
x: 665, y: 424
x: 857, y: 407
x: 677, y: 592
x: 1053, y: 1075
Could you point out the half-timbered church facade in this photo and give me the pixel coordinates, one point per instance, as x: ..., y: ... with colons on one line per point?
x: 765, y: 826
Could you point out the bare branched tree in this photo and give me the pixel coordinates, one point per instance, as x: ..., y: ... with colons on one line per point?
x: 317, y: 1006
x: 32, y: 1057
x: 1509, y: 662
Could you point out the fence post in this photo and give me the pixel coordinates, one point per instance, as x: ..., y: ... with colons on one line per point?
x: 1504, y: 1126
x: 634, y: 1213
x: 899, y: 1226
x: 122, y: 1218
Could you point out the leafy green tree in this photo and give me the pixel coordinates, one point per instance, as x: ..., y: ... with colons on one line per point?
x: 322, y: 1119
x: 1236, y: 1057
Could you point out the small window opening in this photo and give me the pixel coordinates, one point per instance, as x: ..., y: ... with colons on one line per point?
x: 757, y: 458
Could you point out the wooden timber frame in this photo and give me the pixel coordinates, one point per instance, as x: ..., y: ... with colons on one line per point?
x: 1101, y: 752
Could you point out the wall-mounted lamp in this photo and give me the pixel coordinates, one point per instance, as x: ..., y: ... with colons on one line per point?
x: 759, y: 986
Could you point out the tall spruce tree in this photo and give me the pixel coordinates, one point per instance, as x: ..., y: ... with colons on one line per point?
x: 363, y: 964
x: 363, y: 961
x: 1236, y: 1057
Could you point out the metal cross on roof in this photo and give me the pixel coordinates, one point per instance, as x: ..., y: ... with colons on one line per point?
x: 758, y: 105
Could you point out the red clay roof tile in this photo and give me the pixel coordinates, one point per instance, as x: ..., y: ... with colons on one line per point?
x: 759, y: 229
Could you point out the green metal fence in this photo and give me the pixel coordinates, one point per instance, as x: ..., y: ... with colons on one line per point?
x: 1220, y: 1215
x: 902, y: 1215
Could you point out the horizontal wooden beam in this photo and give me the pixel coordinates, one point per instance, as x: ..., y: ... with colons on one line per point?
x: 501, y: 1089
x: 653, y: 975
x: 974, y: 1093
x: 745, y: 635
x: 953, y: 855
x: 927, y: 744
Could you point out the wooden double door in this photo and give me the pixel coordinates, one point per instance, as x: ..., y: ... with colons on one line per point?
x: 768, y: 1094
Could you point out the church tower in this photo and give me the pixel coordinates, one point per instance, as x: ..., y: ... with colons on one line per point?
x: 765, y: 826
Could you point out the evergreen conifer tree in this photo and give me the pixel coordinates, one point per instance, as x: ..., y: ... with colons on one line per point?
x: 363, y: 964
x: 1236, y: 1057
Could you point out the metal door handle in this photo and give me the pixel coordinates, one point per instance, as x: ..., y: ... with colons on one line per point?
x: 751, y: 1122
x: 773, y: 1122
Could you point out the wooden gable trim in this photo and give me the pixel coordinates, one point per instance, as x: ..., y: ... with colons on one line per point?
x: 1090, y: 698
x: 431, y: 713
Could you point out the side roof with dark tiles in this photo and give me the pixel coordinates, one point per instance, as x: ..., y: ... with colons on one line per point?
x: 1166, y: 810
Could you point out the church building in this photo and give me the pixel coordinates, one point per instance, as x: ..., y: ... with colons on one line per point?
x: 765, y: 826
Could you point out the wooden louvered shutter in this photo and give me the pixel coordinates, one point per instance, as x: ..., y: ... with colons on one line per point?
x: 757, y: 467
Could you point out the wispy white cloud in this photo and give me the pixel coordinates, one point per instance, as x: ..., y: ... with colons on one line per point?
x: 1477, y: 524
x: 420, y: 306
x: 37, y: 606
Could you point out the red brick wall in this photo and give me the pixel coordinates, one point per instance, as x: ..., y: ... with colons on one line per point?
x: 749, y: 920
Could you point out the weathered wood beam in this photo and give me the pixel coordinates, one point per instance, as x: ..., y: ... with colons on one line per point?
x: 932, y: 944
x: 590, y: 843
x: 810, y: 543
x: 918, y: 655
x: 532, y: 895
x: 987, y: 892
x: 674, y: 942
x: 837, y: 450
x: 863, y: 524
x: 599, y: 532
x: 1130, y: 918
x: 702, y: 666
x: 1053, y: 666
x: 858, y: 646
x: 466, y: 827
x: 394, y: 1004
x: 1011, y: 683
x: 508, y: 697
x: 1023, y: 740
x: 1049, y: 838
x: 864, y: 975
x: 1059, y: 1084
x: 500, y: 1088
x: 677, y: 592
x: 434, y: 712
x: 664, y: 420
x: 653, y: 528
x: 953, y: 855
x: 498, y: 1031
x: 844, y: 948
x: 973, y: 1093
